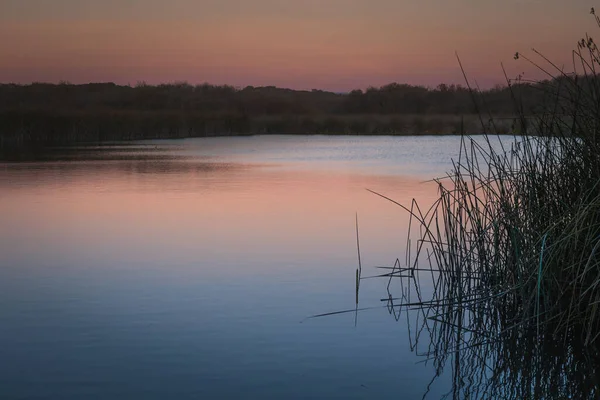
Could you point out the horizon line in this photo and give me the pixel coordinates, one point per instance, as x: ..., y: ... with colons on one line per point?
x: 143, y: 83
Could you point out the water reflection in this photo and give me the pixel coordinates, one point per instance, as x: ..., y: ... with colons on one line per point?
x: 87, y: 152
x: 474, y: 337
x: 187, y: 275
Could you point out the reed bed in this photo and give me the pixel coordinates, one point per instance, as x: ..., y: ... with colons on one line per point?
x: 511, y: 251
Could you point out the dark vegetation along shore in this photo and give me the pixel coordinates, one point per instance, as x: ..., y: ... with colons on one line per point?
x: 512, y: 248
x: 48, y: 114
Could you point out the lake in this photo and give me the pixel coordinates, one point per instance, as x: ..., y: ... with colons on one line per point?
x: 189, y: 269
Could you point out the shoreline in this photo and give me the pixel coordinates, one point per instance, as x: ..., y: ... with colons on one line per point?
x: 26, y: 128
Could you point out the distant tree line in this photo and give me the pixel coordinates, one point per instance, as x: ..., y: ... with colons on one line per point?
x: 45, y: 114
x: 210, y: 99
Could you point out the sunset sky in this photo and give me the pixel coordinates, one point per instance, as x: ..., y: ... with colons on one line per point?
x: 326, y: 44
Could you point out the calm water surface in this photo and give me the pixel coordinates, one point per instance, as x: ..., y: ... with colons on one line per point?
x: 187, y: 269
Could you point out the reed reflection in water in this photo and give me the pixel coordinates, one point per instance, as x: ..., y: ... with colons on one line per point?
x: 506, y: 312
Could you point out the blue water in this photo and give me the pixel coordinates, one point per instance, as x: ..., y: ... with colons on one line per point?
x: 188, y: 269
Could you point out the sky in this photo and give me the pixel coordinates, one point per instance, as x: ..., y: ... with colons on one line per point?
x: 335, y: 45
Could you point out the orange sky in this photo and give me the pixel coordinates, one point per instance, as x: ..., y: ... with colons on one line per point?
x: 326, y: 44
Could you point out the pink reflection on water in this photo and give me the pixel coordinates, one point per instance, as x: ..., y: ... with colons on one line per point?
x: 191, y: 213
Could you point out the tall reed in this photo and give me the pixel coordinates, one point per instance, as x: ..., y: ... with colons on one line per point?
x: 512, y: 246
